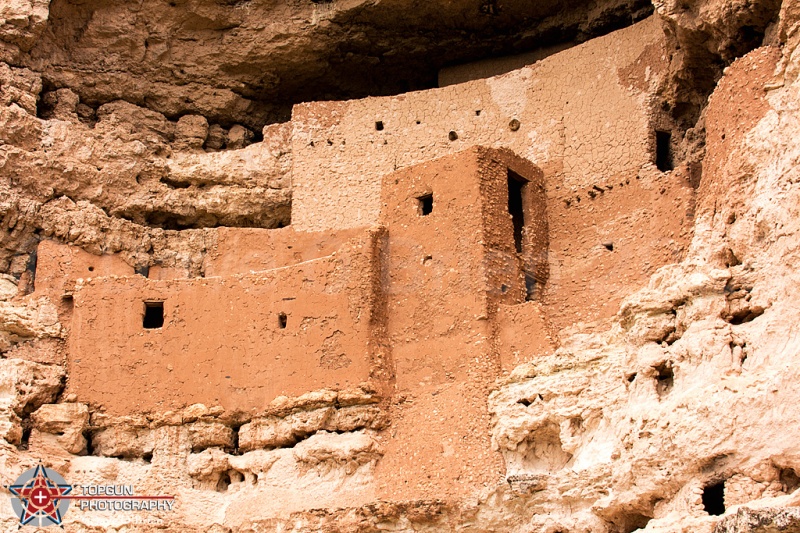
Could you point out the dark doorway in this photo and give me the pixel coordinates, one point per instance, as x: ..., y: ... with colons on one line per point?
x: 516, y: 185
x: 714, y: 499
x: 664, y: 151
x: 153, y: 315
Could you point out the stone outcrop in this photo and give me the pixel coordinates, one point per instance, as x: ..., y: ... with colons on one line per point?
x: 247, y: 63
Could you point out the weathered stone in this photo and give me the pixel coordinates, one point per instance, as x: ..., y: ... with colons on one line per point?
x: 66, y: 422
x: 8, y: 287
x: 191, y: 132
x: 239, y: 137
x: 208, y: 464
x: 123, y: 441
x: 217, y: 137
x: 357, y: 417
x: 332, y: 450
x: 208, y: 434
x: 769, y: 520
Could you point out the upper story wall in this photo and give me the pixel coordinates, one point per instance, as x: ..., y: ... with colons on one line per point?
x: 582, y: 114
x: 452, y: 256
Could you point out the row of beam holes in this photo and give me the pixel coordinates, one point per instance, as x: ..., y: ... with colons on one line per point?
x: 664, y: 163
x: 514, y: 125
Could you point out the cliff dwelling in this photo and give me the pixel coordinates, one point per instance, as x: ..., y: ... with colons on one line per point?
x: 297, y: 267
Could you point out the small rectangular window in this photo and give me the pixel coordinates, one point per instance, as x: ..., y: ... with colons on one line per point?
x: 153, y: 315
x: 425, y: 205
x: 282, y: 320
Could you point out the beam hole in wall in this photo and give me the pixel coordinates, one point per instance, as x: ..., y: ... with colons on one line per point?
x: 91, y: 269
x: 379, y: 125
x: 714, y: 499
x: 282, y: 320
x: 664, y: 151
x: 153, y: 315
x: 453, y: 136
x: 425, y: 204
x: 516, y: 186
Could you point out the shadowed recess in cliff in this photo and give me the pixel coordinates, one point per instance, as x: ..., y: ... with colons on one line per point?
x: 225, y: 62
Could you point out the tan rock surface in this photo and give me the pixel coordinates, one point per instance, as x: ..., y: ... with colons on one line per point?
x: 624, y: 360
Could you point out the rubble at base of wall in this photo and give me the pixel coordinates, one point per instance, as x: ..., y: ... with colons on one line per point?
x: 768, y: 520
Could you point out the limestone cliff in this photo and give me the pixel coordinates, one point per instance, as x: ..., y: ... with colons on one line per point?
x: 621, y: 360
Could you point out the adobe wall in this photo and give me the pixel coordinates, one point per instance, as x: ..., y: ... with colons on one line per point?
x: 515, y: 343
x: 244, y: 250
x: 584, y: 114
x: 645, y: 217
x: 222, y: 342
x: 60, y: 266
x: 443, y: 283
x: 509, y: 271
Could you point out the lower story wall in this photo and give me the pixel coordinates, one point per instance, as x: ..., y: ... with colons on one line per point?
x: 237, y: 342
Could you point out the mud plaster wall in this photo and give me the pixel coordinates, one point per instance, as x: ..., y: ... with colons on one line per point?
x: 59, y: 267
x: 603, y: 247
x: 222, y: 341
x: 441, y: 285
x: 340, y: 150
x: 242, y: 250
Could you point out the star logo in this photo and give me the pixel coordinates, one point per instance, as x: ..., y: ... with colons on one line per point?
x: 38, y: 497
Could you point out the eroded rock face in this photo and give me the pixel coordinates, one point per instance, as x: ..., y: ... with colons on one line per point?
x: 249, y: 62
x: 133, y: 133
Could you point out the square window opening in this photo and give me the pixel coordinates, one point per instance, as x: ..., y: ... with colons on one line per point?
x: 425, y: 205
x: 153, y: 315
